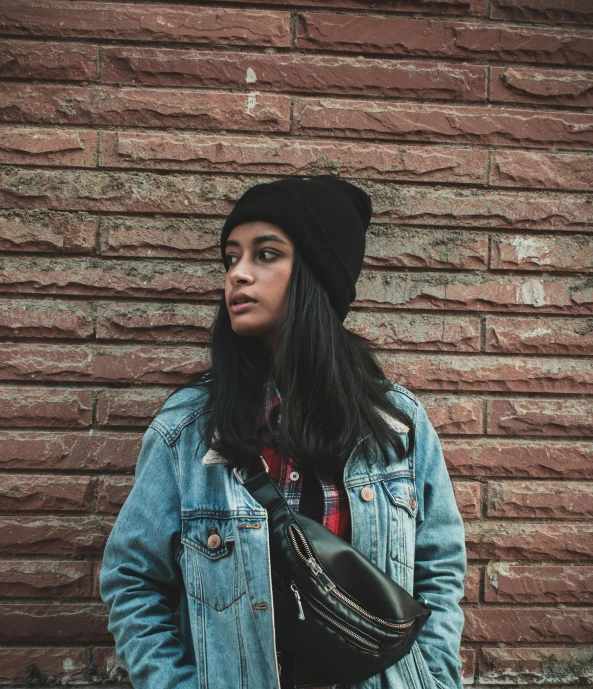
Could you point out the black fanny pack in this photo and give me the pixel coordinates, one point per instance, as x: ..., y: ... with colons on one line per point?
x: 333, y: 607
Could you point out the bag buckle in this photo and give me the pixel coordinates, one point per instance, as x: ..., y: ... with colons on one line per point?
x: 241, y: 480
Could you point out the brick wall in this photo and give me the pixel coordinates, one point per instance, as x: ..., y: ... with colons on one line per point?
x: 128, y: 131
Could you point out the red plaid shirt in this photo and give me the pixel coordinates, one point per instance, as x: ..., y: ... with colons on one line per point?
x: 336, y: 517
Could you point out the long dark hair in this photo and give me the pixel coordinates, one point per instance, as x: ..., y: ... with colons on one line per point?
x: 328, y: 378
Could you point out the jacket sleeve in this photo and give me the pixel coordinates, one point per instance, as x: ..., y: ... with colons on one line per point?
x: 440, y: 557
x: 140, y: 581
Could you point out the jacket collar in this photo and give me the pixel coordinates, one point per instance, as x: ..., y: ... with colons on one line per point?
x: 213, y: 457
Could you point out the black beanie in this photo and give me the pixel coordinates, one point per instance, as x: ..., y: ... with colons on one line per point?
x: 326, y: 217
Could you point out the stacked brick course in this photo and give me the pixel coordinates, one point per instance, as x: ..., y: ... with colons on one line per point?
x: 127, y: 132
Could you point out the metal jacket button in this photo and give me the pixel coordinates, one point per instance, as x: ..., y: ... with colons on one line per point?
x: 214, y: 539
x: 367, y: 493
x: 412, y: 501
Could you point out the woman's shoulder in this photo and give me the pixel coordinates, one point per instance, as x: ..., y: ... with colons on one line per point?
x: 181, y: 408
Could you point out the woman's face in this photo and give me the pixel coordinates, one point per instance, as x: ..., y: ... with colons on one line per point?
x: 260, y: 256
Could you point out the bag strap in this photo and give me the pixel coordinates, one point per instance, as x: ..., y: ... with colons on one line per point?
x: 261, y: 486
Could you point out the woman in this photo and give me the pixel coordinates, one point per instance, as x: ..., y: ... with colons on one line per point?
x: 289, y: 383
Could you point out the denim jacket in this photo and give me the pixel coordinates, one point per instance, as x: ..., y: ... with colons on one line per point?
x: 157, y: 558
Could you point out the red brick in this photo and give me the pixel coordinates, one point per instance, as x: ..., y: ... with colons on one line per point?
x: 506, y: 583
x: 44, y: 666
x: 48, y: 60
x: 514, y: 540
x: 127, y: 407
x: 468, y: 498
x: 403, y: 36
x: 471, y: 7
x: 99, y: 277
x: 540, y: 499
x: 43, y: 318
x: 454, y: 414
x: 466, y: 291
x: 542, y: 171
x: 167, y: 323
x: 149, y: 192
x: 542, y: 252
x: 30, y: 146
x: 108, y: 20
x: 293, y: 72
x: 471, y: 583
x: 65, y: 451
x: 535, y: 666
x: 518, y: 458
x: 468, y: 659
x: 183, y: 238
x: 72, y: 535
x: 139, y: 107
x: 100, y: 363
x: 425, y: 331
x: 112, y: 493
x: 578, y: 11
x: 542, y: 86
x: 495, y: 374
x: 39, y: 230
x: 55, y: 493
x: 108, y: 667
x: 539, y: 336
x: 188, y: 151
x: 434, y: 123
x: 44, y: 579
x: 39, y: 623
x: 541, y: 417
x: 44, y: 407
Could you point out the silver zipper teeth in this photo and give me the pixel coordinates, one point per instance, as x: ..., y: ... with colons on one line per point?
x: 337, y: 592
x: 346, y: 630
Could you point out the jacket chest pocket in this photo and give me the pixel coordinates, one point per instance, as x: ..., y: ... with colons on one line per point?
x: 209, y: 560
x: 403, y: 509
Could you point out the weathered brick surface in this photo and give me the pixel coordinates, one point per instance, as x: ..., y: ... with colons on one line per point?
x: 109, y: 105
x: 541, y: 417
x: 69, y: 450
x: 128, y: 131
x: 42, y: 318
x: 48, y: 147
x: 577, y: 11
x: 519, y: 458
x: 127, y: 407
x: 45, y: 535
x: 286, y: 156
x: 522, y: 540
x: 37, y: 406
x: 112, y: 493
x: 469, y: 498
x: 508, y: 583
x: 542, y: 171
x: 453, y: 123
x: 294, y: 72
x: 399, y: 36
x: 48, y: 60
x: 140, y: 23
x: 47, y: 231
x: 53, y: 493
x: 44, y: 579
x: 545, y: 86
x: 540, y: 499
x: 529, y: 625
x: 44, y: 665
x: 539, y: 336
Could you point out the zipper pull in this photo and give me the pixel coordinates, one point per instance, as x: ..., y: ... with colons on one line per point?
x: 297, y: 595
x: 326, y: 582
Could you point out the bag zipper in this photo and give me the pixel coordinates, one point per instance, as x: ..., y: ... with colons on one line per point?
x: 329, y: 585
x: 331, y: 619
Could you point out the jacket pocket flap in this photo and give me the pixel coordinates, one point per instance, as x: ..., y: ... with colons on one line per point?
x: 212, y: 536
x: 402, y: 493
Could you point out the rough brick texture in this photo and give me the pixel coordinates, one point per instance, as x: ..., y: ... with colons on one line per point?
x: 127, y: 132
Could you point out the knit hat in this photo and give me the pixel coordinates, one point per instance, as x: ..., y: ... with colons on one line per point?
x: 326, y: 217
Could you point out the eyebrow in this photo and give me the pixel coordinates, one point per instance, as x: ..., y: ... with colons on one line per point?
x: 259, y: 240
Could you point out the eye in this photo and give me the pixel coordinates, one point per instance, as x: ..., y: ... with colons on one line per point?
x: 230, y: 257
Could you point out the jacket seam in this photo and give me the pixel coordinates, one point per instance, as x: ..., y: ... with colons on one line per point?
x: 157, y: 429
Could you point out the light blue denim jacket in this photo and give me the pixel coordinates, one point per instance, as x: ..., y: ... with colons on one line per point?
x: 157, y: 558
